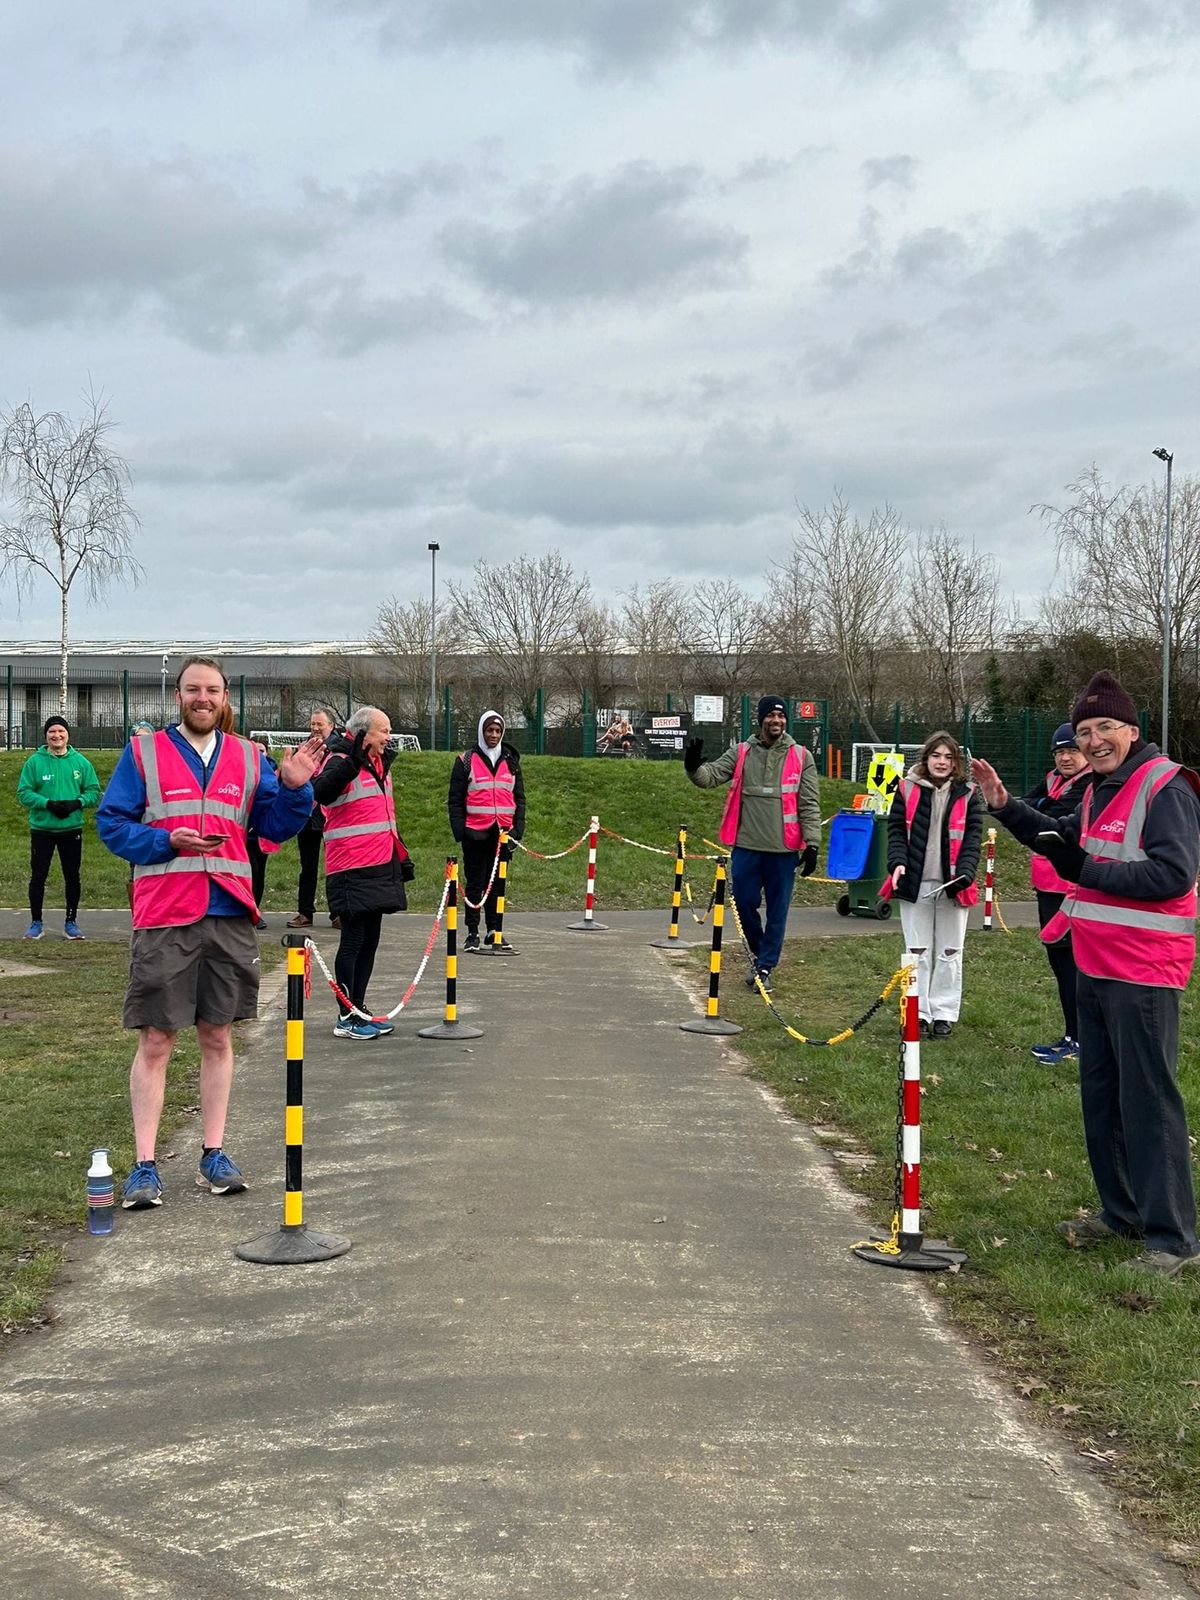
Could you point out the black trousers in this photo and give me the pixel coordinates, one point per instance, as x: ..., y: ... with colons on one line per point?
x: 1061, y: 957
x: 258, y: 869
x: 355, y: 959
x: 1133, y: 1114
x: 478, y: 853
x: 42, y: 845
x: 309, y: 842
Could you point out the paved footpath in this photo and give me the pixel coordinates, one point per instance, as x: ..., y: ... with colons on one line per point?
x: 599, y: 1335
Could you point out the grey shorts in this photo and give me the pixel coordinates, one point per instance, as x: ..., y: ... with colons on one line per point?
x: 206, y: 971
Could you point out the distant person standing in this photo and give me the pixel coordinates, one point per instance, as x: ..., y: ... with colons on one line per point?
x: 56, y: 784
x: 308, y: 840
x: 487, y: 794
x: 1058, y: 795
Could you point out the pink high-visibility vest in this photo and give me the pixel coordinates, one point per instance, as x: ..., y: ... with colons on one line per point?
x: 360, y: 826
x: 491, y: 796
x: 793, y: 766
x: 1151, y: 942
x: 1041, y: 872
x: 957, y: 825
x: 171, y: 894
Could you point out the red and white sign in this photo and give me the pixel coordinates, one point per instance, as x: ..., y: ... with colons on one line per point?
x: 807, y: 711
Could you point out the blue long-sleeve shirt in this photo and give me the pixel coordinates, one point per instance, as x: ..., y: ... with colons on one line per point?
x: 276, y: 813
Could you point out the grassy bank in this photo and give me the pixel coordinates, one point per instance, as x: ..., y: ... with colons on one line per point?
x: 644, y: 800
x: 1092, y: 1346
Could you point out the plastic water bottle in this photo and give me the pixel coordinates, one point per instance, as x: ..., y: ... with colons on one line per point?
x: 100, y: 1193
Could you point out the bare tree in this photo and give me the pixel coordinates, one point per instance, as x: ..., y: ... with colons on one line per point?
x: 788, y: 626
x: 724, y: 639
x: 856, y: 570
x: 652, y: 622
x: 954, y: 611
x: 524, y: 615
x: 589, y: 661
x: 403, y: 638
x: 66, y: 513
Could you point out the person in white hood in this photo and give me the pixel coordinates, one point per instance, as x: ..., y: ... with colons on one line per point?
x: 487, y: 794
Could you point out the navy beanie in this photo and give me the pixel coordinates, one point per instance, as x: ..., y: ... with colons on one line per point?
x: 1064, y: 738
x: 769, y: 703
x: 55, y: 721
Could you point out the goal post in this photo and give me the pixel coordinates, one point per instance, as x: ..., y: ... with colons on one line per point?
x: 289, y: 738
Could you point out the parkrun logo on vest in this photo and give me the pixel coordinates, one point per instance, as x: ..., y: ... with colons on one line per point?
x: 1111, y: 827
x: 233, y: 789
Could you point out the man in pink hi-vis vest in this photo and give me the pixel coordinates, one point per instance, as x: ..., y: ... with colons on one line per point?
x: 1129, y: 855
x: 772, y: 820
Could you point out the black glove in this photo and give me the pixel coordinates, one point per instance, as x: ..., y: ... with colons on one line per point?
x: 358, y: 752
x: 956, y: 886
x: 808, y: 861
x: 693, y: 755
x: 1066, y: 857
x: 407, y: 871
x: 72, y: 805
x: 63, y: 808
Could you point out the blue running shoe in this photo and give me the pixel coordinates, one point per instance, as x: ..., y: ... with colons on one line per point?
x: 71, y: 929
x: 33, y: 931
x: 351, y: 1027
x: 219, y: 1175
x: 1049, y: 1055
x: 142, y: 1188
x: 382, y: 1029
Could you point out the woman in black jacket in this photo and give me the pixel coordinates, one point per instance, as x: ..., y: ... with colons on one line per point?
x: 935, y: 829
x: 361, y: 893
x: 1058, y: 795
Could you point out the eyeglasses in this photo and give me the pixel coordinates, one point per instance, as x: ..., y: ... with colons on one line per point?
x: 1102, y: 730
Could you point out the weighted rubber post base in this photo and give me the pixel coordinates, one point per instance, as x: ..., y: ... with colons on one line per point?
x: 451, y: 1030
x: 676, y: 944
x: 917, y: 1254
x: 287, y: 1247
x: 587, y: 927
x: 710, y: 1025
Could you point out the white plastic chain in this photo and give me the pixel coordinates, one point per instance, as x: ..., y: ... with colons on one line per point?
x: 479, y: 905
x: 408, y: 993
x: 582, y: 839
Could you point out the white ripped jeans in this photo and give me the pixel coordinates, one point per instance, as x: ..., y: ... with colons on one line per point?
x: 934, y: 931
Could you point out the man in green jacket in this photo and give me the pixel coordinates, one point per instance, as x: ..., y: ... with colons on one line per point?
x: 56, y: 784
x: 773, y: 822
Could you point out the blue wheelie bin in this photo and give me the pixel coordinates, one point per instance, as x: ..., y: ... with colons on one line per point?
x: 858, y: 855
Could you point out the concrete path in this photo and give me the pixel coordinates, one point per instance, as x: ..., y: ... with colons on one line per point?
x: 599, y: 1335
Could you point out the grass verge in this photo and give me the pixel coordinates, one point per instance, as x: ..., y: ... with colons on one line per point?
x: 644, y: 800
x: 1090, y: 1344
x: 64, y: 1088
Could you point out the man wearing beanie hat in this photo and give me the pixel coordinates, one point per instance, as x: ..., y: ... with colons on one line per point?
x: 55, y: 785
x: 772, y: 819
x: 1130, y: 854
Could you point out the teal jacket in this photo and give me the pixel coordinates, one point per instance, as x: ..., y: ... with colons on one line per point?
x: 66, y: 777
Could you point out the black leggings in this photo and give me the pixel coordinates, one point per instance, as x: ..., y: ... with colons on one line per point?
x: 479, y: 855
x: 356, y: 953
x: 1062, y: 963
x: 42, y: 845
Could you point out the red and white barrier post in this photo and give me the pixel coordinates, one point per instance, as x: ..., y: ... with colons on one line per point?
x: 906, y: 1245
x: 589, y: 923
x: 989, y: 881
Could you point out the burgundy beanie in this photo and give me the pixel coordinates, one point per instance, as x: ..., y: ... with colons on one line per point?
x: 1104, y: 697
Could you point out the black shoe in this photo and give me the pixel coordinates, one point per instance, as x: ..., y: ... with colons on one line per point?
x: 942, y: 1029
x: 471, y: 942
x: 764, y: 978
x: 922, y: 1029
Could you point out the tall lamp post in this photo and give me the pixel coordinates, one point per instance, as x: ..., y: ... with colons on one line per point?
x: 433, y: 550
x: 1168, y: 456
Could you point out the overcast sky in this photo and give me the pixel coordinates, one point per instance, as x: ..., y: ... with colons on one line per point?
x: 629, y: 278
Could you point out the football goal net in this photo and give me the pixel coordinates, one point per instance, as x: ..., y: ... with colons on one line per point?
x: 289, y: 738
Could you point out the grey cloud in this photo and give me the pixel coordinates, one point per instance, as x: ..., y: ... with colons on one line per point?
x: 389, y: 194
x: 898, y: 172
x: 631, y: 35
x: 99, y: 238
x: 1107, y: 233
x: 628, y: 235
x: 155, y: 46
x: 937, y: 254
x: 1140, y: 19
x: 836, y: 366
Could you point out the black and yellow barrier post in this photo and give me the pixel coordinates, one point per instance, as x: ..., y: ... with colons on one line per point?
x: 494, y: 944
x: 673, y: 941
x: 295, y: 1242
x: 450, y: 1027
x: 711, y: 1021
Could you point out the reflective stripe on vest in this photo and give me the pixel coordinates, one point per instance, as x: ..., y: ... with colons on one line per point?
x: 491, y: 795
x: 169, y: 894
x: 360, y: 825
x: 1041, y: 872
x: 788, y: 795
x: 956, y: 824
x: 1150, y: 942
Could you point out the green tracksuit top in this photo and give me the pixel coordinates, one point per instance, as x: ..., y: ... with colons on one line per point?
x: 760, y: 825
x: 50, y: 777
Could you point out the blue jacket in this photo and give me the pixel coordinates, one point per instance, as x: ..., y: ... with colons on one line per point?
x: 276, y: 814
